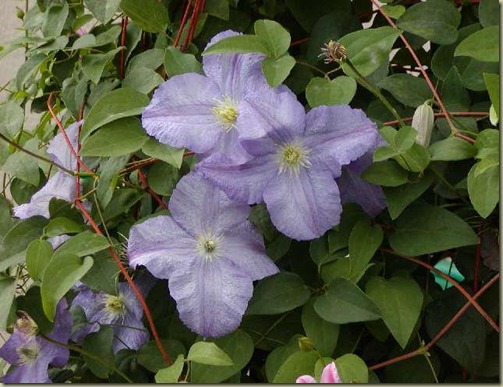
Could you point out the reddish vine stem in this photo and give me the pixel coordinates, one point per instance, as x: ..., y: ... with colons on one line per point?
x: 145, y: 186
x: 425, y: 75
x: 182, y: 23
x: 477, y: 262
x: 124, y: 24
x: 300, y: 41
x: 442, y: 332
x: 457, y: 114
x: 131, y: 283
x: 67, y: 140
x: 452, y: 281
x: 193, y: 23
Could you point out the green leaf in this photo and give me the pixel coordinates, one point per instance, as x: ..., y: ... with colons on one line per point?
x: 109, y: 177
x: 11, y: 117
x: 364, y: 241
x: 85, y: 41
x: 415, y: 159
x: 338, y: 91
x: 103, y: 275
x: 452, y: 149
x: 344, y: 302
x: 218, y: 8
x: 19, y: 237
x: 324, y: 334
x: 110, y: 35
x: 394, y: 11
x: 410, y: 90
x: 7, y: 294
x: 277, y: 294
x: 385, y: 173
x: 368, y: 49
x: 482, y: 45
x: 176, y: 62
x: 99, y: 344
x: 436, y: 21
x: 54, y: 20
x: 112, y: 106
x: 208, y: 353
x: 62, y: 272
x: 151, y: 358
x: 172, y: 156
x: 28, y: 69
x: 150, y: 59
x: 454, y: 94
x: 276, y: 70
x: 298, y: 363
x: 172, y: 373
x: 352, y: 369
x: 240, y: 44
x: 489, y: 13
x: 121, y: 202
x: 424, y: 229
x: 400, y: 301
x: 273, y: 36
x: 62, y: 225
x: 38, y: 256
x: 142, y: 79
x: 103, y: 10
x: 405, y: 138
x: 238, y: 346
x: 398, y: 198
x: 484, y: 190
x: 94, y: 64
x: 492, y: 82
x: 83, y: 244
x: 23, y: 166
x: 162, y: 178
x: 150, y: 15
x: 116, y: 138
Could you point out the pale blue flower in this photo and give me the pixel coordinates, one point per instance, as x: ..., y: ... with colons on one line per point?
x: 208, y: 251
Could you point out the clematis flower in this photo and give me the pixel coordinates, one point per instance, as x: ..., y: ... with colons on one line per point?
x: 60, y: 185
x: 329, y: 375
x: 207, y: 113
x: 209, y: 253
x: 295, y: 163
x: 31, y: 354
x: 122, y: 311
x: 354, y: 189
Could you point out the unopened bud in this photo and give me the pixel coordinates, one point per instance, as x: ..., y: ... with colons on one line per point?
x: 19, y: 13
x: 422, y: 121
x: 306, y: 344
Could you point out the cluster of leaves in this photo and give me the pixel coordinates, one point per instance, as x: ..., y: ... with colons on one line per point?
x: 357, y: 294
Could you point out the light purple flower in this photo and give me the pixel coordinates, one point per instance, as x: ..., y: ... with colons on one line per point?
x: 329, y: 375
x: 295, y: 163
x: 122, y: 311
x: 60, y: 185
x: 208, y: 251
x: 354, y: 189
x: 207, y: 113
x: 31, y: 354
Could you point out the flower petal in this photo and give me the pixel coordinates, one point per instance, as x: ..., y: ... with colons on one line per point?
x: 180, y: 113
x: 356, y: 190
x: 244, y: 246
x: 211, y: 296
x: 58, y: 148
x: 338, y: 135
x: 35, y: 372
x: 131, y: 334
x: 60, y: 185
x: 305, y: 379
x: 198, y: 206
x: 330, y: 374
x: 303, y: 206
x: 160, y: 245
x: 244, y: 182
x: 233, y: 73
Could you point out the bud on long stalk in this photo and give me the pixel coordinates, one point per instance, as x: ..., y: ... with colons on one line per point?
x: 422, y: 121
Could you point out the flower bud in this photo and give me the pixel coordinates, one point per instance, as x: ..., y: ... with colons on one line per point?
x: 422, y: 121
x: 306, y: 344
x: 19, y: 13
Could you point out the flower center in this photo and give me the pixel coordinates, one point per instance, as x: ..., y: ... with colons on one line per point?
x: 209, y: 245
x: 26, y: 325
x: 114, y: 304
x: 226, y: 113
x: 28, y: 353
x: 292, y: 157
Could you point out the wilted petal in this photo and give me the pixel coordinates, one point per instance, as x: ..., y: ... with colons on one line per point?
x: 180, y: 113
x: 60, y: 186
x: 305, y: 379
x: 303, y: 206
x: 211, y: 296
x: 244, y: 246
x: 338, y: 135
x: 160, y: 245
x: 356, y: 190
x: 245, y: 182
x: 330, y: 374
x: 232, y: 72
x: 197, y: 205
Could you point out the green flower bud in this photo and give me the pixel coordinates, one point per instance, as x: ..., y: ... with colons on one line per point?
x: 306, y: 344
x: 422, y: 121
x: 19, y: 13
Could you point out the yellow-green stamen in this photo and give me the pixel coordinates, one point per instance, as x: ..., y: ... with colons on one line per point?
x: 226, y: 113
x: 114, y: 304
x: 292, y: 157
x: 208, y: 245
